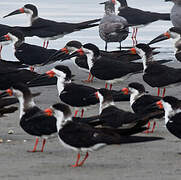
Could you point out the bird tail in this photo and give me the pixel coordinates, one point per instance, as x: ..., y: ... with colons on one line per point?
x: 45, y: 81
x: 163, y: 16
x: 87, y: 24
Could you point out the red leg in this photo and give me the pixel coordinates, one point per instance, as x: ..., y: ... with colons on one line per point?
x: 47, y: 44
x: 44, y: 43
x: 88, y: 80
x: 158, y: 91
x: 77, y: 161
x: 148, y: 127
x: 164, y: 90
x: 110, y: 86
x: 106, y: 85
x: 43, y: 145
x: 154, y: 124
x: 82, y: 113
x: 35, y: 146
x: 92, y: 78
x: 82, y: 162
x: 32, y: 68
x: 76, y: 111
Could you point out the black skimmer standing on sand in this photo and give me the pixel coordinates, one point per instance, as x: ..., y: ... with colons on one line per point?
x: 175, y: 34
x: 112, y: 28
x: 172, y: 108
x: 111, y: 116
x: 32, y: 119
x: 105, y: 68
x: 71, y: 93
x: 140, y: 102
x: 27, y: 53
x: 139, y: 18
x: 80, y: 137
x: 175, y: 14
x: 154, y: 74
x: 48, y: 29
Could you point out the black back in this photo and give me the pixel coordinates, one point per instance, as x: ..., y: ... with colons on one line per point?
x: 36, y: 123
x: 78, y: 95
x: 32, y: 54
x: 82, y: 135
x: 138, y: 17
x: 157, y: 75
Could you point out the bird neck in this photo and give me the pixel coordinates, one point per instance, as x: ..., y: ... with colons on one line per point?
x: 61, y: 121
x: 60, y: 84
x: 146, y: 60
x: 18, y: 43
x: 25, y: 104
x: 109, y: 9
x: 170, y: 113
x: 134, y: 96
x: 177, y: 44
x: 90, y: 60
x: 123, y: 4
x: 32, y: 19
x: 104, y: 105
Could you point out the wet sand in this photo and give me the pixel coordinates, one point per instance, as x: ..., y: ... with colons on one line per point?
x: 157, y: 158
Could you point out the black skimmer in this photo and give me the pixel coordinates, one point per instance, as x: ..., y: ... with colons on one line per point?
x: 80, y: 137
x: 13, y: 72
x: 141, y: 102
x: 77, y: 95
x: 175, y: 34
x: 112, y: 28
x: 111, y: 116
x: 106, y: 69
x: 172, y: 108
x: 175, y: 14
x: 71, y: 93
x: 48, y: 29
x: 27, y: 53
x: 154, y: 74
x: 81, y: 61
x: 139, y: 18
x: 64, y: 53
x: 32, y: 119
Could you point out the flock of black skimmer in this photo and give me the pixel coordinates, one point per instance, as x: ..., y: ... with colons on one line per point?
x: 112, y: 125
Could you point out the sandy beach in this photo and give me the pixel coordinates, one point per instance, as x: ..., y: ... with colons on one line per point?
x: 155, y: 159
x: 158, y: 158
